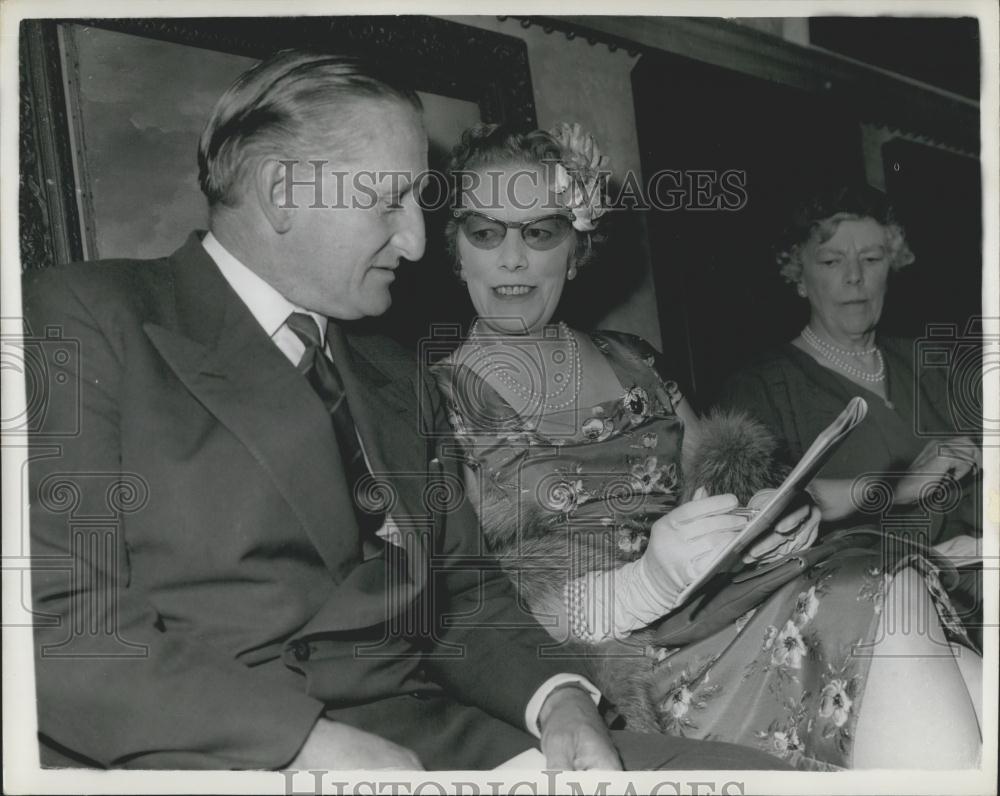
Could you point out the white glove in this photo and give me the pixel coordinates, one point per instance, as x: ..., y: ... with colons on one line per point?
x: 682, y: 544
x: 685, y: 542
x: 796, y: 531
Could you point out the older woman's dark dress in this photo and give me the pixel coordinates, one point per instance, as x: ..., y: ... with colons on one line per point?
x: 796, y: 397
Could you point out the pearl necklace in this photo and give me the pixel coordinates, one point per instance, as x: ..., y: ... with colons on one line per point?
x: 516, y: 387
x: 830, y: 353
x: 816, y: 340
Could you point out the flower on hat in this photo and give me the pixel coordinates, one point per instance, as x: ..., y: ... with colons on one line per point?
x: 581, y: 176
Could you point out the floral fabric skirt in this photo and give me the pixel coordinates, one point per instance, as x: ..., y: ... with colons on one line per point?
x: 789, y: 676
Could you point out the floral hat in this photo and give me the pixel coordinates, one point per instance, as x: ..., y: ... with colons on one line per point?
x: 581, y: 176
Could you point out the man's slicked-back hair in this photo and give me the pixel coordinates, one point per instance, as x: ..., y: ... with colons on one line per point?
x: 280, y: 107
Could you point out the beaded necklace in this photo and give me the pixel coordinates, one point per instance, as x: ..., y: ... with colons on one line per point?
x: 835, y: 355
x: 519, y: 389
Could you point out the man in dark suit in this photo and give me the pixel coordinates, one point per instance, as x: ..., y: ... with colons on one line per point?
x: 226, y: 577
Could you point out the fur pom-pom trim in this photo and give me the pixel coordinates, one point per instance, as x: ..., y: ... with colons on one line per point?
x: 735, y: 454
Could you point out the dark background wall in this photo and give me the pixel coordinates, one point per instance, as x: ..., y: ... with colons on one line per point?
x: 720, y: 296
x: 763, y: 97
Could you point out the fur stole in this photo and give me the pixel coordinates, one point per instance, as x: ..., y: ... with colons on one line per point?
x: 541, y: 552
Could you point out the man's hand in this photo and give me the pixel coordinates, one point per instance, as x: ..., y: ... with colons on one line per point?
x: 795, y: 531
x: 574, y: 738
x: 335, y: 746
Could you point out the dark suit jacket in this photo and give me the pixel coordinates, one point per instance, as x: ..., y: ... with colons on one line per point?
x: 201, y: 590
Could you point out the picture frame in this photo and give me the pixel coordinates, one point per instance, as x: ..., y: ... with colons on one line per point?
x: 58, y: 219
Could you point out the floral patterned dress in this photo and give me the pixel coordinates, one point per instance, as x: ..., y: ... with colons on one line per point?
x: 787, y: 677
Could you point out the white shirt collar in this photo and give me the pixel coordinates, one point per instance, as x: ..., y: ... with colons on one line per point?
x: 266, y: 304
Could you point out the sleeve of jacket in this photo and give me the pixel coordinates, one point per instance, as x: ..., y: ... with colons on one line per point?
x: 489, y: 649
x: 114, y: 686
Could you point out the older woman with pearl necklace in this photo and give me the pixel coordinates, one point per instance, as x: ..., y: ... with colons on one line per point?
x: 910, y: 457
x: 839, y: 252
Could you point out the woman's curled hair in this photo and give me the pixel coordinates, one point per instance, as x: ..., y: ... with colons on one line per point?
x: 820, y: 215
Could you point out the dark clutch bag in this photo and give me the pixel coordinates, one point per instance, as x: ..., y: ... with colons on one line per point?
x: 727, y: 597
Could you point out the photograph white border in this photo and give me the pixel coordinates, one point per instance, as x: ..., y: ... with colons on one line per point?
x: 21, y: 771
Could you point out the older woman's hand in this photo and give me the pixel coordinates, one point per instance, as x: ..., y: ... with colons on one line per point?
x: 951, y: 459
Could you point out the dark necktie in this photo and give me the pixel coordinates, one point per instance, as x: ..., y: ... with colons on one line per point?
x: 326, y: 381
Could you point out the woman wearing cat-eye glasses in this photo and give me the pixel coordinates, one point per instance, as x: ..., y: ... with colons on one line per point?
x: 573, y: 444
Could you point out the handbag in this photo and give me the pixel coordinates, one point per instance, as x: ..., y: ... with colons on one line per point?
x: 728, y: 596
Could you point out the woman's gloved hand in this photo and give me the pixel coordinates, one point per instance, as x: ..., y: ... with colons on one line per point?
x: 796, y: 531
x: 685, y: 542
x: 683, y: 545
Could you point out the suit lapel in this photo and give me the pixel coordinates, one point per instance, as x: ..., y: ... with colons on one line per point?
x: 385, y: 411
x: 382, y: 405
x: 224, y: 358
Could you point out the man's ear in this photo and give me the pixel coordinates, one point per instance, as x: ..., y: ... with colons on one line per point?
x: 273, y: 195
